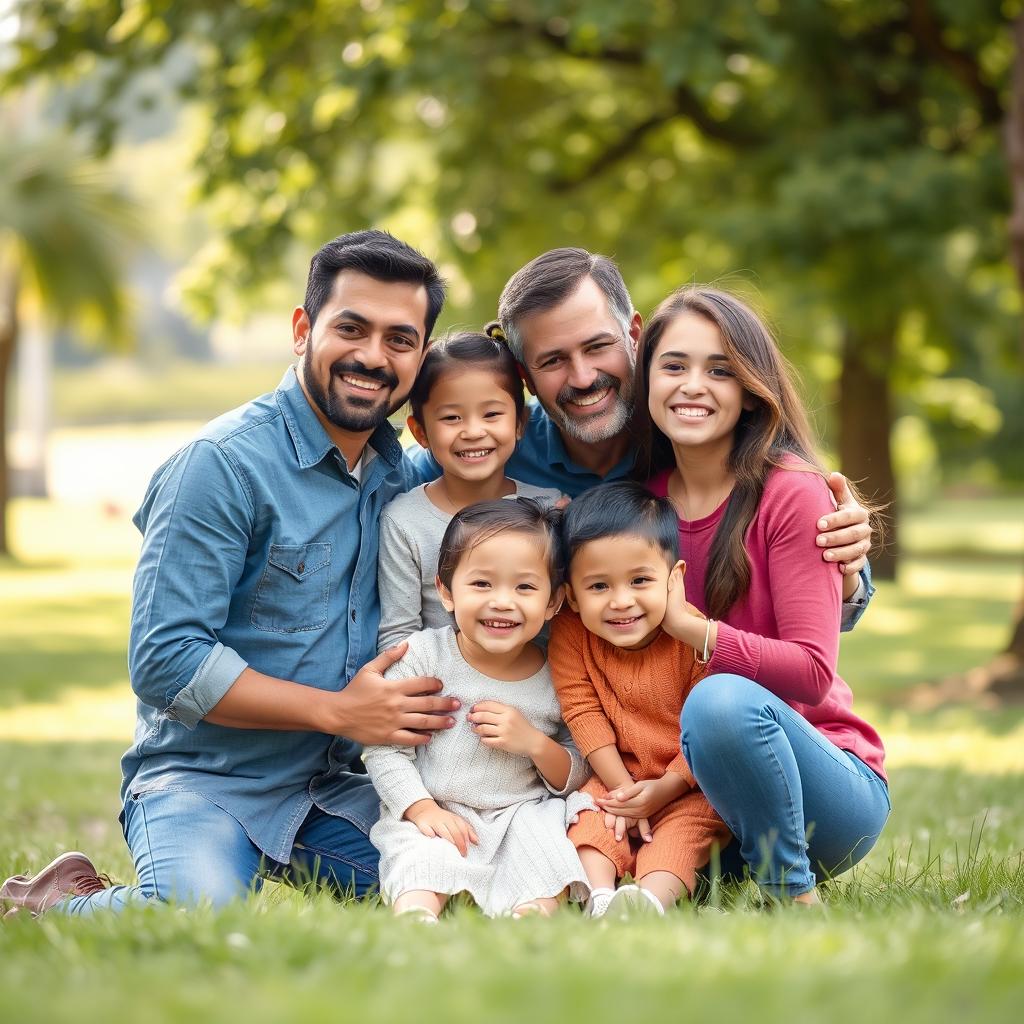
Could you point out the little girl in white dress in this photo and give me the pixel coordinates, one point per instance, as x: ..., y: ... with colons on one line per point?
x: 484, y: 806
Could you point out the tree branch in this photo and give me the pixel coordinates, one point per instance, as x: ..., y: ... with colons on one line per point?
x: 927, y: 31
x: 683, y: 103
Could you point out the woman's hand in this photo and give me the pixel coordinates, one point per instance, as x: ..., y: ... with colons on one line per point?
x: 681, y: 621
x: 678, y: 616
x: 433, y: 820
x: 505, y: 728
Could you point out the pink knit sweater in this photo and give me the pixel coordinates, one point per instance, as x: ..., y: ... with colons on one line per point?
x: 784, y: 632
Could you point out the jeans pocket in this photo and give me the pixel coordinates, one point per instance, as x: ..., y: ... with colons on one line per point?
x: 294, y: 590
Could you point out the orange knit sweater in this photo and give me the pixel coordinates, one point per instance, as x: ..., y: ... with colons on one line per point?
x: 630, y: 699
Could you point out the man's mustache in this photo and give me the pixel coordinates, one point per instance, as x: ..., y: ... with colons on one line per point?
x: 381, y: 375
x: 601, y: 382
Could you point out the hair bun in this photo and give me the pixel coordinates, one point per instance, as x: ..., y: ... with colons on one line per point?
x: 494, y: 330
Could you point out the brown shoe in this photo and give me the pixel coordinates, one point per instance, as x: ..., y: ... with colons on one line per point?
x: 71, y: 874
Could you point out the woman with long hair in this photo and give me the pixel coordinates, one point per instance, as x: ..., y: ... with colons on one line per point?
x: 769, y: 734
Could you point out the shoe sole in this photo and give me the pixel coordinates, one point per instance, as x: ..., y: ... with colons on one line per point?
x: 13, y: 903
x: 629, y: 903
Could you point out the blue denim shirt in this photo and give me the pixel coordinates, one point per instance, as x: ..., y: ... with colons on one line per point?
x: 259, y: 548
x: 541, y: 459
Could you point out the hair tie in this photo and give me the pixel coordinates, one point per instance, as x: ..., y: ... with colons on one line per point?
x: 493, y: 330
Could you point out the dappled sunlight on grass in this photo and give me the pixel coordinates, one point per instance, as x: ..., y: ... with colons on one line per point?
x: 961, y: 740
x: 991, y: 526
x: 78, y: 715
x: 80, y: 533
x: 943, y: 616
x: 949, y: 578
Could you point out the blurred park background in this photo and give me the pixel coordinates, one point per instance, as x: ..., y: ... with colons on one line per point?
x: 854, y: 166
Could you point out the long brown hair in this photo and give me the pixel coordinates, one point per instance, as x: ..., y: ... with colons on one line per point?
x: 775, y: 427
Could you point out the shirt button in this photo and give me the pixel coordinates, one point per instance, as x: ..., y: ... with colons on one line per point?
x: 353, y: 615
x: 301, y: 567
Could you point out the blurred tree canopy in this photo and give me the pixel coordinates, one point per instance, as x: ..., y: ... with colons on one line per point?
x: 62, y: 235
x: 849, y: 151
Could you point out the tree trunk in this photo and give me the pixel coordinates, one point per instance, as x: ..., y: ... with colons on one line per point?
x: 8, y: 342
x: 865, y: 429
x: 1002, y: 679
x: 1015, y: 158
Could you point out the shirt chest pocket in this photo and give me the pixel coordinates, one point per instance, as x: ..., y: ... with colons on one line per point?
x: 294, y: 590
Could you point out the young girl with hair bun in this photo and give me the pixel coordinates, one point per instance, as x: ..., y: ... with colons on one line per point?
x: 467, y: 407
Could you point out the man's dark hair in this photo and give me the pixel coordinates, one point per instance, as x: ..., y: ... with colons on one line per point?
x: 620, y: 509
x: 551, y: 278
x: 486, y: 519
x: 379, y: 255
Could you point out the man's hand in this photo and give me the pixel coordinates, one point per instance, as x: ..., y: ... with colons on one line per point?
x: 645, y: 798
x: 372, y: 709
x: 433, y: 820
x: 504, y: 728
x: 846, y: 533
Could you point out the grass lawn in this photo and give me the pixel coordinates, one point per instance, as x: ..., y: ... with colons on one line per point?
x: 930, y: 927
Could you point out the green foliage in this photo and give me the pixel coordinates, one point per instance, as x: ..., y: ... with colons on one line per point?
x: 850, y: 152
x: 63, y: 230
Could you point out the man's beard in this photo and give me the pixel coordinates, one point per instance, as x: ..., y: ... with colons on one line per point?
x: 610, y: 424
x: 351, y: 412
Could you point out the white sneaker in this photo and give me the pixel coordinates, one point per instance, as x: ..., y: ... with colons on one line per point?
x: 597, y: 905
x: 632, y: 901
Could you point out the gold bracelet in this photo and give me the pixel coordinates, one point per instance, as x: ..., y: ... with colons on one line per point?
x: 707, y: 639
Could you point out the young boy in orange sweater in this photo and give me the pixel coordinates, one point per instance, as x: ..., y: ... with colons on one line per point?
x: 621, y: 678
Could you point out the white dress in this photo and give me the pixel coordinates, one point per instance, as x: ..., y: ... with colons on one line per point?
x: 523, y: 851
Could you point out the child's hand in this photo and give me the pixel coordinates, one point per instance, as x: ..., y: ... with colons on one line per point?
x: 620, y: 825
x: 504, y: 728
x: 642, y: 799
x: 433, y: 820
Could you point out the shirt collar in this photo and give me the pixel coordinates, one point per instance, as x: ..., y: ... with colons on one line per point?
x: 557, y: 455
x: 312, y: 444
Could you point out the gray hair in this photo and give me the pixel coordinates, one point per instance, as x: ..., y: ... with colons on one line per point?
x: 549, y: 279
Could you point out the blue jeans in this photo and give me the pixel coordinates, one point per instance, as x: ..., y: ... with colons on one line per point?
x: 189, y: 851
x: 794, y: 801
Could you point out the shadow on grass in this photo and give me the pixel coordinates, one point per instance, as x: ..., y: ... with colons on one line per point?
x: 52, y: 645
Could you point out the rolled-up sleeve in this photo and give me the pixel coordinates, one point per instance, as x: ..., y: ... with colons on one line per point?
x: 196, y: 520
x: 858, y: 603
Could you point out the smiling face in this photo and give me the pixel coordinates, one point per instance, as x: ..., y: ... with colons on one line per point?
x: 359, y: 360
x: 619, y: 587
x: 469, y: 425
x: 579, y: 363
x: 694, y: 397
x: 501, y: 594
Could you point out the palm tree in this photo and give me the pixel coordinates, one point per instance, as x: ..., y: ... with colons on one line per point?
x: 63, y: 231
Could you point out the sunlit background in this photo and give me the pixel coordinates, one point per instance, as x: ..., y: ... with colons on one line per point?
x: 167, y: 169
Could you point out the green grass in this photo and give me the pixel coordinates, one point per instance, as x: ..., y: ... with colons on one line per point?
x: 115, y: 391
x: 931, y: 926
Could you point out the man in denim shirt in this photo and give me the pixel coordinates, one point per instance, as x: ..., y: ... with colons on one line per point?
x: 254, y: 614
